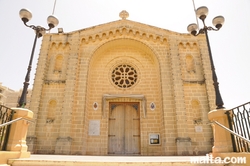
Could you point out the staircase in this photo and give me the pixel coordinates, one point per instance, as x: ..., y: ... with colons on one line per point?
x: 16, y: 152
x: 64, y: 160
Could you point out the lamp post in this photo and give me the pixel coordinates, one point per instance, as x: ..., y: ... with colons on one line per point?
x: 218, y: 21
x: 52, y: 21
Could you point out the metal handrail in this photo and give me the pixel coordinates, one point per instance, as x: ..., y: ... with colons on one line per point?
x: 240, y: 105
x: 232, y: 132
x: 15, y: 120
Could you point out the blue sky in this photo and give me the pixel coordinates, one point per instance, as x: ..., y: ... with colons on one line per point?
x: 230, y: 46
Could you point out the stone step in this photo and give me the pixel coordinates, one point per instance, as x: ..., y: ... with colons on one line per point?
x: 64, y: 160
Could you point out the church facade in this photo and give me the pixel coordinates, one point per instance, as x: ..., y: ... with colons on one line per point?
x: 122, y: 88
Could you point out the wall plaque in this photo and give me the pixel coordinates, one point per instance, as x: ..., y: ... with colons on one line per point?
x: 94, y: 127
x: 198, y: 129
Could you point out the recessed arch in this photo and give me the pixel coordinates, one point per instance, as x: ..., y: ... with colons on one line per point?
x: 125, y: 42
x: 190, y: 64
x: 51, y: 109
x: 58, y: 63
x: 196, y: 110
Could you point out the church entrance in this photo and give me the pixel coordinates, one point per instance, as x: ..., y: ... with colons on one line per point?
x: 124, y: 129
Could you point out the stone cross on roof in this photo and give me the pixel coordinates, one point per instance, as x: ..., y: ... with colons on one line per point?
x: 124, y: 14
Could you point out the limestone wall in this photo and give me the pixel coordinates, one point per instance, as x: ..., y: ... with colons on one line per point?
x: 75, y: 71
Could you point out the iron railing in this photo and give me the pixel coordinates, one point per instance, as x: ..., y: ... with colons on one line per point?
x: 6, y: 115
x: 230, y: 131
x: 239, y: 122
x: 15, y: 120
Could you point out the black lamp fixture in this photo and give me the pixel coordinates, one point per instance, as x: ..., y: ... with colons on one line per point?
x: 218, y: 21
x: 52, y: 21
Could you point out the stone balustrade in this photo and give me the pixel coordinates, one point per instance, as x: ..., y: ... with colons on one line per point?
x: 222, y: 138
x: 16, y: 147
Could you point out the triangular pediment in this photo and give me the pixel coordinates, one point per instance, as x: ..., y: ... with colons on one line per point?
x: 124, y: 23
x: 124, y: 27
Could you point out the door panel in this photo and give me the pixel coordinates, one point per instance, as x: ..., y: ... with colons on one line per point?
x: 116, y: 130
x: 136, y: 132
x: 124, y: 129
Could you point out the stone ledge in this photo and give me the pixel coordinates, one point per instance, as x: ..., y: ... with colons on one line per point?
x: 6, y: 155
x: 69, y: 160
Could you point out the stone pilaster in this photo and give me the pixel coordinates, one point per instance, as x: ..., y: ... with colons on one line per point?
x: 68, y: 101
x: 178, y: 91
x: 37, y: 90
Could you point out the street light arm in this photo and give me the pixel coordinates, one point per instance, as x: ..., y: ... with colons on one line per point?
x: 202, y: 30
x: 40, y: 31
x: 212, y: 29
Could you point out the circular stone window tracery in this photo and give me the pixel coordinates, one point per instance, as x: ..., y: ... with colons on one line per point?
x: 124, y: 76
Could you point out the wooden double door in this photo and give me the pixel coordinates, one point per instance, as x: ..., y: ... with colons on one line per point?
x: 124, y: 129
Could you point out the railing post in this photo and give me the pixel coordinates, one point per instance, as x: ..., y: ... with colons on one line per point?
x: 231, y: 128
x: 18, y: 132
x: 222, y: 138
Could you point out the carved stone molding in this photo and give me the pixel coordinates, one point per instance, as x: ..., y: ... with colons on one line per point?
x: 106, y: 97
x: 194, y: 82
x: 122, y: 31
x: 54, y: 81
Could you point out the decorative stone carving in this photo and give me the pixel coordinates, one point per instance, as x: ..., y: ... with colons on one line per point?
x: 124, y: 76
x: 115, y: 96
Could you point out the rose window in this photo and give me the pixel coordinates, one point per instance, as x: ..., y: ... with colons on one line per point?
x: 124, y: 76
